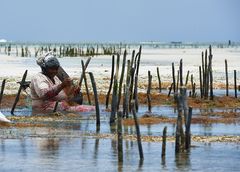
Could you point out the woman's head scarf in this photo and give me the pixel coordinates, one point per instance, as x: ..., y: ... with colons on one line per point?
x: 48, y: 61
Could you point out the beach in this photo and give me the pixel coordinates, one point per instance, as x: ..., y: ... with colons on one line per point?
x: 13, y: 67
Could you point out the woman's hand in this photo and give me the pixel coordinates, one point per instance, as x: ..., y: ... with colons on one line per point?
x: 67, y: 82
x: 76, y: 91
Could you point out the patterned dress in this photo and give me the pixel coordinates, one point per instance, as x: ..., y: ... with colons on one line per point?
x: 44, y: 96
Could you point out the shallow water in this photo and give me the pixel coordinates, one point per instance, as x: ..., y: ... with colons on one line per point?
x: 162, y: 110
x: 86, y: 154
x: 88, y: 123
x: 65, y: 147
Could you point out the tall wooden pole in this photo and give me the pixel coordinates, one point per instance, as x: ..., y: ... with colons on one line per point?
x: 173, y: 77
x: 121, y: 78
x: 19, y: 91
x: 226, y: 73
x: 96, y: 101
x: 201, y: 83
x: 111, y: 81
x: 120, y: 137
x: 2, y: 90
x: 164, y: 138
x: 114, y: 101
x: 138, y: 131
x: 149, y: 91
x: 159, y: 81
x: 85, y: 81
x: 235, y: 83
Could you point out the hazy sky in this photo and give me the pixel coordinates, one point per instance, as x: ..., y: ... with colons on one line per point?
x: 120, y: 20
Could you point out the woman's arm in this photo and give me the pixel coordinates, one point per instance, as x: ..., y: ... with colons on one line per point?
x: 45, y: 90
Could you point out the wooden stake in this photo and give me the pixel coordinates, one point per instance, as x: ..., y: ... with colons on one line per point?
x: 206, y: 76
x: 159, y: 81
x: 2, y: 90
x: 135, y: 96
x: 114, y: 101
x: 235, y: 83
x: 121, y: 78
x: 226, y: 74
x: 210, y: 73
x: 192, y: 84
x: 164, y: 138
x: 203, y: 76
x: 85, y: 81
x: 85, y: 68
x: 149, y: 91
x: 111, y: 82
x: 136, y: 92
x: 137, y: 130
x: 55, y: 107
x: 201, y: 84
x: 181, y: 73
x: 125, y: 100
x: 188, y: 132
x: 131, y: 87
x: 127, y: 90
x: 173, y: 77
x: 19, y: 91
x: 96, y: 101
x: 170, y: 89
x: 120, y: 138
x: 186, y: 82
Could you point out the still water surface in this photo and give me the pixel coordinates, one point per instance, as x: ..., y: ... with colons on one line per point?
x: 88, y: 154
x: 64, y: 147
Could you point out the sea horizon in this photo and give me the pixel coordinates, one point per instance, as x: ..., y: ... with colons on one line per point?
x: 126, y: 44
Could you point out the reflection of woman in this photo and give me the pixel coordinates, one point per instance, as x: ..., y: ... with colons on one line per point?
x: 46, y: 88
